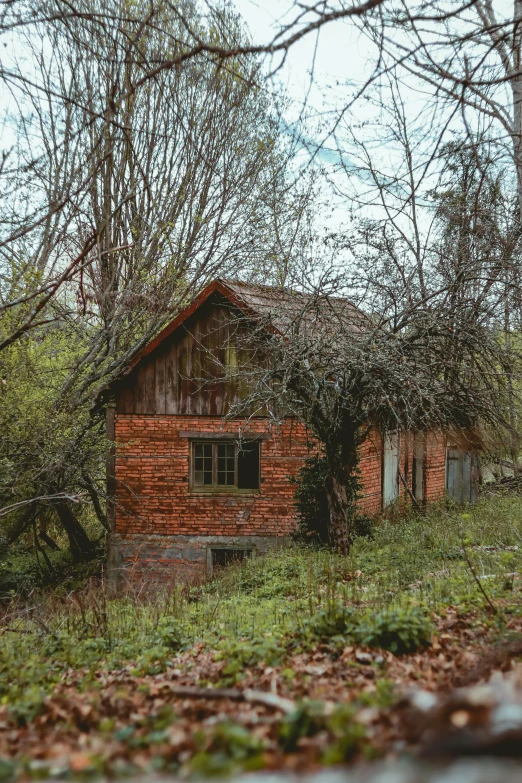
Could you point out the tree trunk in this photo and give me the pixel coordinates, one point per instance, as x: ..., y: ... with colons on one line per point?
x: 23, y: 522
x: 516, y: 88
x: 81, y: 546
x: 341, y: 532
x: 45, y: 537
x: 341, y: 463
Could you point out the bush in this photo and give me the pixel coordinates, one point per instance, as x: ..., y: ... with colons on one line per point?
x: 169, y: 634
x: 225, y: 750
x: 398, y: 629
x: 290, y: 571
x: 243, y: 654
x: 310, y: 718
x: 333, y: 620
x: 311, y: 504
x: 21, y: 572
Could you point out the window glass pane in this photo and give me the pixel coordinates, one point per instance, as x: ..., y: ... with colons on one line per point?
x: 248, y: 465
x: 226, y: 468
x: 214, y: 464
x: 202, y: 453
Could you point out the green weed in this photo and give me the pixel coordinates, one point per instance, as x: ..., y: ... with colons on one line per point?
x: 399, y: 629
x: 381, y: 595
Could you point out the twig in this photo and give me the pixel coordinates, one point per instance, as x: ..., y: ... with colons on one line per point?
x: 408, y: 490
x: 271, y: 700
x: 477, y: 580
x: 59, y: 496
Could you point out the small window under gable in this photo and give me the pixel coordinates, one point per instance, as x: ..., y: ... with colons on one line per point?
x: 221, y: 466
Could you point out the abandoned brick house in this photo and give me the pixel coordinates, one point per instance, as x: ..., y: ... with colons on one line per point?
x: 186, y: 496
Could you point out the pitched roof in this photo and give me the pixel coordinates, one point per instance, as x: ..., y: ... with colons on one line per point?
x: 281, y: 306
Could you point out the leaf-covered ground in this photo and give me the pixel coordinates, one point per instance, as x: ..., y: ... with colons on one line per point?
x: 291, y: 661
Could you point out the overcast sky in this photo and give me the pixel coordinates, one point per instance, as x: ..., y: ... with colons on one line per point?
x: 337, y: 53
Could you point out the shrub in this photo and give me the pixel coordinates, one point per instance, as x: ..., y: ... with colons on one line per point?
x: 311, y: 503
x: 243, y: 653
x: 288, y: 572
x: 398, y: 629
x: 333, y: 620
x: 228, y: 748
x: 169, y: 634
x: 346, y: 735
x: 21, y: 571
x: 306, y: 721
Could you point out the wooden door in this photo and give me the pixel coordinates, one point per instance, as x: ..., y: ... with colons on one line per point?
x: 461, y: 475
x: 390, y: 469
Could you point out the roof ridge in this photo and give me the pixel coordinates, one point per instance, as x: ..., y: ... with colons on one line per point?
x: 285, y: 289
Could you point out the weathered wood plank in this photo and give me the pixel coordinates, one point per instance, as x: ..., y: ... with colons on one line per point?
x: 160, y: 391
x: 184, y: 369
x: 150, y: 385
x: 171, y: 378
x: 390, y: 483
x: 466, y: 477
x: 177, y: 379
x: 139, y: 394
x: 125, y: 397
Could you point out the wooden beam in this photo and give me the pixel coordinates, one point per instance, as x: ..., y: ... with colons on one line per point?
x: 238, y: 435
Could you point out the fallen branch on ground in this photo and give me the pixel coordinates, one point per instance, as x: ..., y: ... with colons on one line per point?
x: 264, y: 698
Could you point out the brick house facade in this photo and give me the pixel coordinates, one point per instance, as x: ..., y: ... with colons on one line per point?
x: 183, y: 491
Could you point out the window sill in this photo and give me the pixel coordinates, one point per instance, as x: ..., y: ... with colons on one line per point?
x: 231, y: 492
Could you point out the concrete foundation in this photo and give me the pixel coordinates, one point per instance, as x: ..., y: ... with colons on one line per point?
x: 138, y: 559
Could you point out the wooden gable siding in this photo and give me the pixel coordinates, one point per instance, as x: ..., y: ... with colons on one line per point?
x: 176, y: 379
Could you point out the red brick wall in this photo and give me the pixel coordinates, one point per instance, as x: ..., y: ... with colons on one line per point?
x: 371, y: 470
x: 435, y: 482
x: 163, y: 528
x: 370, y: 467
x: 152, y: 487
x: 152, y: 471
x: 434, y: 469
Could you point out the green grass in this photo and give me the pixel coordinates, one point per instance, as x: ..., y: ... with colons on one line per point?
x: 266, y: 608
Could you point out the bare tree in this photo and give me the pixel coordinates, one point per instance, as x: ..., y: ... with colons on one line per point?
x: 412, y: 335
x: 470, y: 57
x: 188, y: 178
x: 414, y: 364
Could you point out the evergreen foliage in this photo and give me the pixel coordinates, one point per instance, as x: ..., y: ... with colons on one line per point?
x: 311, y: 502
